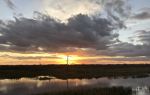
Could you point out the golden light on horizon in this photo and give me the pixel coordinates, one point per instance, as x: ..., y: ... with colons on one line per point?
x: 9, y: 58
x: 72, y: 59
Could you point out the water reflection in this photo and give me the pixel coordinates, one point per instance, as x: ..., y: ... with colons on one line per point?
x: 27, y: 86
x: 141, y: 91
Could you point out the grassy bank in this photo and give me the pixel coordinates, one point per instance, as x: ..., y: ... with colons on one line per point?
x: 95, y: 91
x: 74, y: 71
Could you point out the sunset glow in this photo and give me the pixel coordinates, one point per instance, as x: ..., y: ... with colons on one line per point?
x: 89, y: 31
x: 45, y: 58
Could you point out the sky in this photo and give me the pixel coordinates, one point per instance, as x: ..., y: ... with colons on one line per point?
x: 88, y: 31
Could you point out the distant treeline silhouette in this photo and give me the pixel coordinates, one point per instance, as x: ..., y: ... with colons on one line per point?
x: 74, y: 71
x: 94, y: 91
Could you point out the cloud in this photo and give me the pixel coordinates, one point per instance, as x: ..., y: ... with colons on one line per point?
x: 126, y: 49
x: 10, y: 4
x: 64, y: 9
x: 142, y: 36
x: 117, y: 11
x: 142, y: 16
x: 88, y: 30
x: 116, y: 60
x: 30, y: 57
x: 48, y: 34
x: 130, y: 50
x: 130, y: 59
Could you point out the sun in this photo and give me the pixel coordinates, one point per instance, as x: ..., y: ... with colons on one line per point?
x: 70, y: 59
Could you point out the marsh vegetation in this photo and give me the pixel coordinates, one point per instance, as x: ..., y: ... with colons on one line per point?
x: 74, y: 71
x: 95, y: 91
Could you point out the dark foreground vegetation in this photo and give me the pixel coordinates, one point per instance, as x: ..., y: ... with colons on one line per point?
x: 95, y: 91
x: 74, y: 71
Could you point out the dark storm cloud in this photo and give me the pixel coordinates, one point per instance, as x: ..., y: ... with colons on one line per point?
x: 46, y: 33
x: 10, y: 4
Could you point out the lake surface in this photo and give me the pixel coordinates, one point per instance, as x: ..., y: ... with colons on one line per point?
x: 28, y: 86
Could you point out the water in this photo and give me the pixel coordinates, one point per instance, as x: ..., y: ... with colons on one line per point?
x: 28, y: 86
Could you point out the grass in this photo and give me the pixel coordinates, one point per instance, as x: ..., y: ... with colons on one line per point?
x: 74, y: 71
x: 94, y: 91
